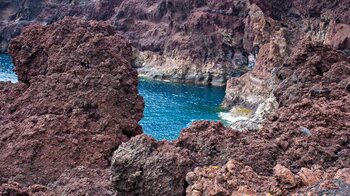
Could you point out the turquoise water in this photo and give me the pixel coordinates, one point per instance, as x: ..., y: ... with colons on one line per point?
x: 6, y: 69
x: 169, y: 107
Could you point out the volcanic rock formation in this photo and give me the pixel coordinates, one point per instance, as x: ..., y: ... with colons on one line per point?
x: 309, y: 129
x: 76, y: 101
x: 198, y: 41
x: 236, y: 179
x: 275, y: 29
x: 77, y: 93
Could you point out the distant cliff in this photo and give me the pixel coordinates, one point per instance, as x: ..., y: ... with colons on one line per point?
x: 197, y: 41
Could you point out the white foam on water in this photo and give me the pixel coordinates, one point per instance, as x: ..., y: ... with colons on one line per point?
x: 8, y: 77
x: 228, y: 117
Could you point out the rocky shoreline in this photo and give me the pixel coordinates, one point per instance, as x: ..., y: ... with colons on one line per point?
x: 70, y: 125
x: 195, y: 41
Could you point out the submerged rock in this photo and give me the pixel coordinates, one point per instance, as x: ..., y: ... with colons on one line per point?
x: 76, y: 101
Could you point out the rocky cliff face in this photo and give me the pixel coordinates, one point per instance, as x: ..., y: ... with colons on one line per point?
x: 187, y: 41
x: 288, y: 25
x: 309, y: 129
x: 296, y: 98
x: 76, y: 101
x: 197, y: 41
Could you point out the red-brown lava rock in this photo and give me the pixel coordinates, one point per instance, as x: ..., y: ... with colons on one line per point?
x: 312, y: 124
x: 309, y: 129
x: 76, y: 101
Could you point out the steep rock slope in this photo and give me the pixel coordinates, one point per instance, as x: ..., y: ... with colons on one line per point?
x: 291, y: 24
x: 75, y: 102
x: 195, y: 41
x: 198, y: 41
x: 310, y: 129
x: 187, y: 41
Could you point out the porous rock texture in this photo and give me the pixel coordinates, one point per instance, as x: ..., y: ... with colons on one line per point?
x: 314, y: 100
x: 235, y: 178
x: 76, y: 101
x: 296, y: 98
x: 77, y: 181
x: 276, y: 29
x: 310, y: 128
x: 146, y: 167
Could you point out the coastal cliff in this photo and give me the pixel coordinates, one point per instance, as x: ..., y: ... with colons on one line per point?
x: 302, y: 147
x: 70, y: 125
x: 195, y: 41
x: 288, y: 26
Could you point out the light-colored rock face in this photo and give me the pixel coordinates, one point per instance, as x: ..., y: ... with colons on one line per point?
x: 155, y: 66
x: 285, y: 176
x: 310, y: 177
x: 338, y: 36
x: 253, y: 91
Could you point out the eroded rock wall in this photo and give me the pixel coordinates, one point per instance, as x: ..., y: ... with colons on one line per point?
x: 277, y: 29
x: 196, y: 41
x: 309, y: 129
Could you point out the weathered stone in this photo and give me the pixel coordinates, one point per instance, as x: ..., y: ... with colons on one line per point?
x: 75, y: 102
x: 236, y: 179
x: 145, y: 167
x: 309, y: 177
x: 285, y: 176
x: 280, y: 139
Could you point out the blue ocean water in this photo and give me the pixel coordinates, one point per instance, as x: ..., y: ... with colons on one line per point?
x: 169, y: 107
x: 6, y: 69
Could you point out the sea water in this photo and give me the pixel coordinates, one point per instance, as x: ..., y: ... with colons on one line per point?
x: 169, y: 107
x: 6, y: 69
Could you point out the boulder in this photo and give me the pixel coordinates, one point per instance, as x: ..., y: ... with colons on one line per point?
x: 76, y: 101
